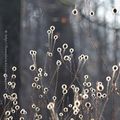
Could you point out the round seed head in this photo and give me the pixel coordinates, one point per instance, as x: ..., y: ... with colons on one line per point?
x: 74, y: 11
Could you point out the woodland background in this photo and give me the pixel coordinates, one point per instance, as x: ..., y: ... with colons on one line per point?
x: 27, y: 21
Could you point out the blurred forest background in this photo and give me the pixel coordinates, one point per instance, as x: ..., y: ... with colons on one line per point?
x: 97, y: 35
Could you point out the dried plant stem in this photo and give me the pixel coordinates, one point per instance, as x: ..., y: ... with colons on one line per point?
x: 103, y: 108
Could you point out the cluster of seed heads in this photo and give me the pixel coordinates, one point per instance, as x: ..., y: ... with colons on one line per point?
x: 75, y: 11
x: 84, y: 96
x: 11, y: 105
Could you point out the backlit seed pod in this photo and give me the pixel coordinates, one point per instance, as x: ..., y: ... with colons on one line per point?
x: 52, y: 28
x: 87, y: 104
x: 31, y: 52
x: 12, y: 110
x: 93, y: 95
x: 45, y: 74
x: 54, y: 98
x: 104, y: 95
x: 115, y: 68
x: 13, y: 76
x: 33, y: 106
x: 9, y: 97
x: 66, y: 58
x: 5, y: 95
x: 10, y: 117
x: 50, y: 106
x: 84, y: 84
x: 92, y: 13
x: 12, y: 99
x: 36, y: 79
x: 74, y: 11
x: 34, y: 52
x: 64, y: 86
x: 37, y: 109
x: 38, y: 86
x: 72, y: 86
x: 32, y: 67
x: 39, y: 75
x: 81, y: 57
x: 48, y: 31
x: 80, y: 116
x: 5, y: 75
x: 86, y: 91
x: 99, y: 83
x: 85, y: 96
x: 65, y: 46
x: 34, y: 85
x: 60, y: 114
x: 108, y: 78
x: 55, y: 37
x: 58, y: 63
x: 17, y: 107
x: 65, y: 109
x: 85, y: 77
x: 70, y: 105
x: 7, y: 113
x: 75, y: 108
x: 49, y: 54
x: 13, y: 85
x: 88, y: 84
x: 71, y: 50
x: 59, y: 49
x: 15, y: 102
x: 75, y: 112
x: 23, y: 111
x: 86, y: 57
x: 14, y: 95
x: 64, y: 92
x: 9, y: 83
x: 40, y: 96
x: 100, y: 87
x: 40, y: 69
x: 93, y: 90
x: 21, y: 118
x: 14, y: 68
x: 77, y: 103
x: 39, y: 116
x: 77, y: 89
x: 46, y: 89
x: 99, y: 94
